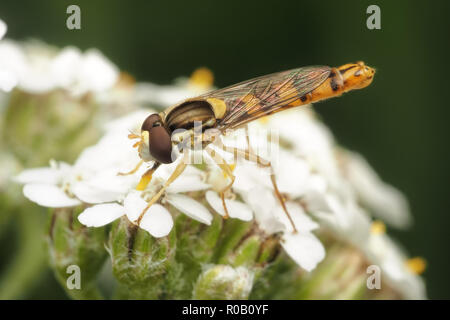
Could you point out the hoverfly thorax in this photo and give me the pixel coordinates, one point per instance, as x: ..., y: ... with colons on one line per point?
x: 186, y: 114
x: 157, y: 138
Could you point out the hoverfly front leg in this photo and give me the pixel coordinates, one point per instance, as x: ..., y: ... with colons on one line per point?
x: 250, y: 156
x: 147, y: 177
x: 131, y: 171
x: 133, y: 136
x: 175, y: 174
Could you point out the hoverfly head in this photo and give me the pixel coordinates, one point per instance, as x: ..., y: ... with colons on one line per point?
x: 156, y: 140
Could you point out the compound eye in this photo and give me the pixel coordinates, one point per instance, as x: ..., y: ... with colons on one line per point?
x: 160, y: 144
x: 153, y: 120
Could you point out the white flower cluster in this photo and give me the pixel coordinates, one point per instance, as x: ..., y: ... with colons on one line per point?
x: 3, y: 29
x: 38, y: 68
x: 326, y: 187
x: 311, y: 173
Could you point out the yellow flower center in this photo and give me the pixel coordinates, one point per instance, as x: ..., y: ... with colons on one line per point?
x: 416, y: 265
x: 378, y: 227
x: 202, y: 77
x: 125, y: 80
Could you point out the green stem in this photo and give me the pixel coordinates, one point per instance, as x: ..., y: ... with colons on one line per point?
x: 30, y: 260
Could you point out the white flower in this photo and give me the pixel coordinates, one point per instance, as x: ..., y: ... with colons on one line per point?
x: 385, y: 253
x: 157, y: 220
x: 46, y: 186
x: 302, y: 246
x: 383, y: 200
x: 92, y: 71
x: 38, y: 68
x: 293, y: 173
x: 343, y: 217
x: 164, y: 95
x: 3, y: 29
x: 12, y: 64
x: 167, y: 95
x: 312, y: 172
x: 236, y: 209
x: 93, y: 179
x: 7, y: 80
x: 309, y: 139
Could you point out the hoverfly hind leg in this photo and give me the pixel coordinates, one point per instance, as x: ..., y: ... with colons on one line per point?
x: 222, y: 196
x: 282, y: 201
x: 250, y: 156
x: 228, y: 172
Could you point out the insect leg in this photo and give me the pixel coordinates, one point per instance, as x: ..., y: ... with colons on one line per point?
x: 132, y: 171
x: 250, y: 156
x: 247, y: 136
x: 228, y: 171
x: 147, y: 177
x: 175, y: 174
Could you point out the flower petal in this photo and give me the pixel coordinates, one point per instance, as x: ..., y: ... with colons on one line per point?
x: 249, y: 175
x: 292, y: 174
x: 263, y: 203
x: 15, y: 66
x: 190, y: 207
x: 48, y: 195
x: 187, y: 184
x: 134, y: 205
x: 383, y: 200
x: 96, y: 72
x: 8, y: 80
x: 101, y: 214
x: 39, y: 175
x: 304, y: 248
x: 236, y: 209
x: 64, y: 67
x: 301, y: 220
x: 157, y: 221
x: 3, y: 29
x: 90, y: 193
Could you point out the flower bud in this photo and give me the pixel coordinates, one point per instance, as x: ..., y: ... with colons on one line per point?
x: 223, y: 282
x: 140, y: 262
x: 73, y: 248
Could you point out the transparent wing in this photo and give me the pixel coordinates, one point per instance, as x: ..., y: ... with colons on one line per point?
x: 258, y: 97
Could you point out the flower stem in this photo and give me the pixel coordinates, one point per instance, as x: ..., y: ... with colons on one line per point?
x: 30, y: 259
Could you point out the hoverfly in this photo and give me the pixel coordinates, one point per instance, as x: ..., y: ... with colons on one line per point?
x: 234, y: 107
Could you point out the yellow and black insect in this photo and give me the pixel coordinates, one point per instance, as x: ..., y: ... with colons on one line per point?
x: 235, y: 106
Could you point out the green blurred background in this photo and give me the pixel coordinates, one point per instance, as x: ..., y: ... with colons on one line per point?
x: 400, y: 123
